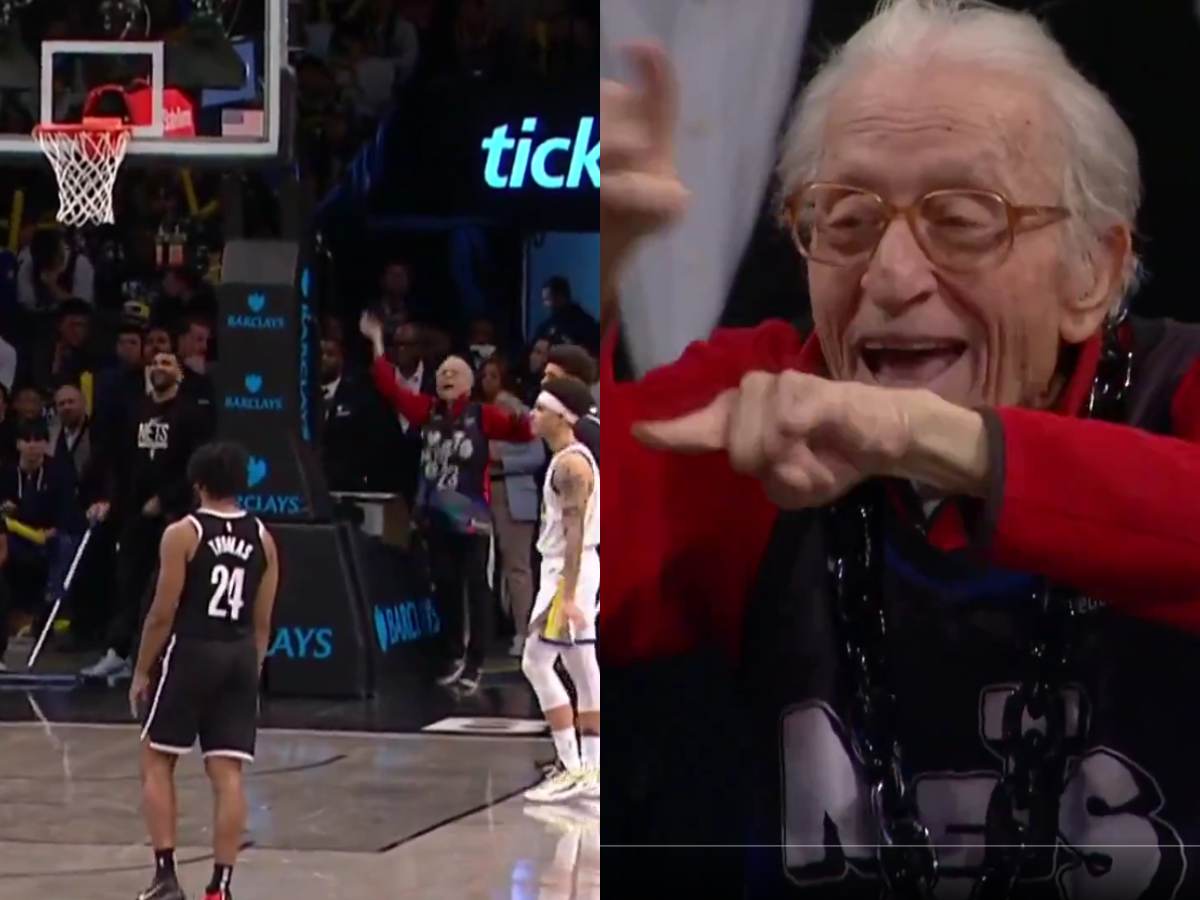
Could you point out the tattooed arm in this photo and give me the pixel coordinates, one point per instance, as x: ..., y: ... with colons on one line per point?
x: 573, y: 482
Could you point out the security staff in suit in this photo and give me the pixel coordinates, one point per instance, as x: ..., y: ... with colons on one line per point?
x: 353, y: 423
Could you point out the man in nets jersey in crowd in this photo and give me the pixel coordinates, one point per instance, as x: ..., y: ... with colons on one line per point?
x: 210, y: 624
x: 975, y: 676
x: 453, y: 502
x: 562, y: 625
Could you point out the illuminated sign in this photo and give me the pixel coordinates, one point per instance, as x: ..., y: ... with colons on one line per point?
x: 258, y: 501
x: 255, y: 319
x: 254, y: 400
x: 552, y: 164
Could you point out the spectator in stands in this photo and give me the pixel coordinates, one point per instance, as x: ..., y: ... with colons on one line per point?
x: 397, y: 39
x: 35, y: 494
x: 568, y: 323
x: 452, y: 498
x: 70, y: 436
x: 395, y: 293
x: 148, y: 489
x: 352, y: 420
x: 69, y: 357
x: 157, y: 341
x: 531, y: 383
x: 400, y: 438
x: 28, y: 405
x: 514, y: 467
x: 478, y: 45
x: 120, y: 386
x: 51, y: 271
x: 184, y: 294
x: 367, y: 77
x: 481, y: 336
x: 192, y: 349
x: 436, y: 344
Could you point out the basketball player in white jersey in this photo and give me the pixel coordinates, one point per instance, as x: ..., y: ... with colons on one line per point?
x: 210, y: 623
x: 563, y: 622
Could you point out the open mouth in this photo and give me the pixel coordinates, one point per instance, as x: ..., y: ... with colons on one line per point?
x: 918, y: 362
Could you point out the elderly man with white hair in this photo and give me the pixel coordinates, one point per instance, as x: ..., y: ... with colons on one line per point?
x: 951, y: 538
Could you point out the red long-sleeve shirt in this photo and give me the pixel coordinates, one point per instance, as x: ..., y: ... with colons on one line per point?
x: 497, y: 422
x: 1111, y: 510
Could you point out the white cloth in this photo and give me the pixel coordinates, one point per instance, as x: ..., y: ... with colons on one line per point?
x: 587, y: 596
x: 736, y: 61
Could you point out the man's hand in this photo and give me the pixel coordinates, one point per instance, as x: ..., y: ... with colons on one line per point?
x: 97, y: 512
x: 640, y: 190
x: 153, y: 508
x: 139, y: 691
x: 810, y: 440
x: 372, y: 330
x: 8, y: 508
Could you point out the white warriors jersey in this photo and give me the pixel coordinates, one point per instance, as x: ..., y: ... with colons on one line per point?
x: 552, y: 541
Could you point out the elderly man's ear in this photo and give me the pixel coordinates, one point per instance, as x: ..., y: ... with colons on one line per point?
x: 1098, y: 285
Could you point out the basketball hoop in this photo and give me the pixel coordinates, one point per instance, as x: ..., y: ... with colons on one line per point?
x: 86, y: 159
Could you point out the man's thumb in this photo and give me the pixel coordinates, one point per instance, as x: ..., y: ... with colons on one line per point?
x: 702, y: 431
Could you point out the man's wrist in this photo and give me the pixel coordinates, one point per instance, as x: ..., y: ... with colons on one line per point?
x: 947, y: 446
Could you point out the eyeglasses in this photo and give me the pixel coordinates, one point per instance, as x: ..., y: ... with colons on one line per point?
x: 959, y: 230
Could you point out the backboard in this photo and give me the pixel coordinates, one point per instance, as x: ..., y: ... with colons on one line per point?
x: 201, y: 79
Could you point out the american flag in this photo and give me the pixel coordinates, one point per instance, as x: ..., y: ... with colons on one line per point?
x: 242, y: 123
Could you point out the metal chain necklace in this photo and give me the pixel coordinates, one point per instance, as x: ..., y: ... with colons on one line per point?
x: 1023, y: 809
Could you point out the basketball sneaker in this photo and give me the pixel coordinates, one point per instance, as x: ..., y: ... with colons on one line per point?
x: 469, y: 682
x: 163, y: 889
x: 590, y: 779
x: 110, y: 666
x: 453, y: 673
x: 218, y: 895
x: 561, y: 785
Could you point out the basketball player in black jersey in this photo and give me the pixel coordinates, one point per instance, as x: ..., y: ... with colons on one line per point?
x: 210, y: 622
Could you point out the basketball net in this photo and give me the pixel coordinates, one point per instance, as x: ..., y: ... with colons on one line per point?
x: 86, y: 159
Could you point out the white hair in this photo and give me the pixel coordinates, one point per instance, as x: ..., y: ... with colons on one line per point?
x: 1101, y: 184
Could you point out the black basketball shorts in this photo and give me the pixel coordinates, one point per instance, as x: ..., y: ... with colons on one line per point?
x: 206, y: 689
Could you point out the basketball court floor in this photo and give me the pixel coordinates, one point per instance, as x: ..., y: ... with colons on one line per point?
x: 339, y: 809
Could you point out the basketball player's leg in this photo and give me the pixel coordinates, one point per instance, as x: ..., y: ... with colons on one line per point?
x: 584, y: 669
x: 229, y: 817
x: 537, y: 663
x: 228, y: 734
x: 161, y: 816
x: 168, y: 733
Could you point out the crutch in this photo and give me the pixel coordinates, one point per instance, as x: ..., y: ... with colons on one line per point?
x: 62, y: 595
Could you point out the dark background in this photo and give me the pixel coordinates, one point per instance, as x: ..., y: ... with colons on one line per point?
x: 1144, y: 55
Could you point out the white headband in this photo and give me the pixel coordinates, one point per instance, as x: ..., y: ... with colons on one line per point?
x: 548, y: 401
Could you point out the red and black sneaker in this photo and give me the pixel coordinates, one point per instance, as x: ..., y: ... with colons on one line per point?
x: 218, y: 895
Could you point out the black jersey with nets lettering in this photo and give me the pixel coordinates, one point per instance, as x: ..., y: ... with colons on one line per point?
x: 222, y: 577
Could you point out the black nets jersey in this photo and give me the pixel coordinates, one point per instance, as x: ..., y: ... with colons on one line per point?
x: 222, y: 577
x: 1129, y: 814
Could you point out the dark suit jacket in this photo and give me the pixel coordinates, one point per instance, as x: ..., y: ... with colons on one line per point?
x: 353, y: 425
